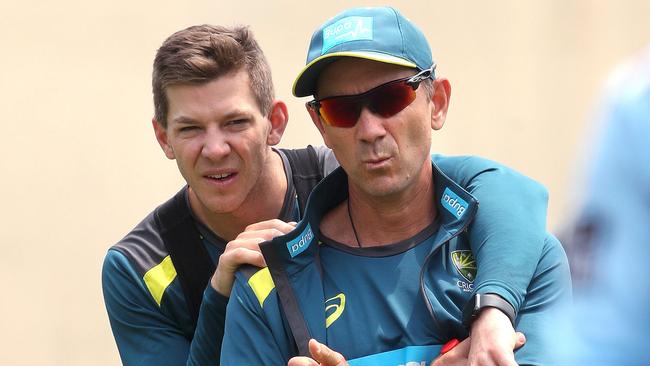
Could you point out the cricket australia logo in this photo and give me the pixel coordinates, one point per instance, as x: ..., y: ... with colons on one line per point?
x: 465, y: 264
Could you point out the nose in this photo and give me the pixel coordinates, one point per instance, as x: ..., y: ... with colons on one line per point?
x: 216, y: 145
x: 370, y: 127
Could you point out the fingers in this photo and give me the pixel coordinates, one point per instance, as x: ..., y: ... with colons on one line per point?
x: 245, y: 249
x: 520, y: 340
x: 278, y: 224
x: 457, y: 356
x: 325, y: 355
x: 234, y: 257
x: 506, y: 358
x: 262, y: 234
x: 302, y: 361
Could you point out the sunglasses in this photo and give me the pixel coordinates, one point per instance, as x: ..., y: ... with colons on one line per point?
x: 385, y: 100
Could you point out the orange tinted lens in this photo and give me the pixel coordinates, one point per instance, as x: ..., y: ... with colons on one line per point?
x: 391, y: 99
x: 385, y: 100
x: 340, y: 112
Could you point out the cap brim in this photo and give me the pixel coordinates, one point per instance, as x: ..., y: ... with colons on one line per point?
x: 305, y: 83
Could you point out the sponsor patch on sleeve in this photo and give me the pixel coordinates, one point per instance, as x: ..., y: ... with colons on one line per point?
x: 453, y: 203
x: 299, y: 244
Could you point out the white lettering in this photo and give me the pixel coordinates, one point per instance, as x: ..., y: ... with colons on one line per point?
x: 341, y: 27
x: 466, y: 287
x: 299, y: 244
x: 454, y: 204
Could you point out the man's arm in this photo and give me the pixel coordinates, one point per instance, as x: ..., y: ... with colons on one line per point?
x: 507, y: 234
x: 138, y: 321
x: 245, y: 249
x: 506, y: 238
x: 255, y: 331
x: 548, y: 294
x: 143, y: 333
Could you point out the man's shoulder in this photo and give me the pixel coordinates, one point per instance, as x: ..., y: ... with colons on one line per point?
x: 464, y: 169
x: 323, y: 158
x: 554, y: 250
x: 256, y: 282
x: 143, y: 246
x: 472, y: 163
x: 141, y: 262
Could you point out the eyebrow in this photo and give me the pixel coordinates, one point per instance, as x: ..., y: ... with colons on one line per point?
x: 235, y: 114
x: 183, y: 120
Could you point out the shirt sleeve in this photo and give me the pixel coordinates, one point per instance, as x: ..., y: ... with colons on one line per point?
x: 205, y: 348
x: 548, y: 294
x: 507, y: 235
x: 255, y: 334
x: 326, y: 159
x: 144, y: 334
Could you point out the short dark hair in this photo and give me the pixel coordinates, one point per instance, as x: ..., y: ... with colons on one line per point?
x: 202, y: 53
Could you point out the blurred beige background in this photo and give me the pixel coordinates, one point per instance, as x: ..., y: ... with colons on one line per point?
x: 80, y: 165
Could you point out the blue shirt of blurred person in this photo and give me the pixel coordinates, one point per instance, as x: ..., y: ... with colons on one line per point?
x: 611, y: 319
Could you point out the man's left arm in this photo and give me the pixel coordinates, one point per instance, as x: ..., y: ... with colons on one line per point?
x: 506, y: 237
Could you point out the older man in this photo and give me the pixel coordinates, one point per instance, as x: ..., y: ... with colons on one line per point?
x: 382, y: 267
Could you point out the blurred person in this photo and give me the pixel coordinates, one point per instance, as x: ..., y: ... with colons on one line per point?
x: 611, y: 242
x: 391, y: 259
x: 216, y: 115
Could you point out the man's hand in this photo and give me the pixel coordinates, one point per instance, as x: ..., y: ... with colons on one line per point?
x: 458, y: 356
x: 322, y: 356
x: 245, y: 249
x: 493, y: 340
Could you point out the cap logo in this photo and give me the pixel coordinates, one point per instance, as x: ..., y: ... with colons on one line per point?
x: 346, y: 30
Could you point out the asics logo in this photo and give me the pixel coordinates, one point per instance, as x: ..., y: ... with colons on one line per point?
x: 334, y: 308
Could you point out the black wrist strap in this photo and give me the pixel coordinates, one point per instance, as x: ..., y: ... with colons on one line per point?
x: 481, y: 301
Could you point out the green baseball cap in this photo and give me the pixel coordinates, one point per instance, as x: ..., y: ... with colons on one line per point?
x: 375, y: 33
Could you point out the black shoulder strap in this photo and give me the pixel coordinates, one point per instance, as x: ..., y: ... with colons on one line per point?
x: 288, y: 299
x: 189, y: 256
x: 306, y: 172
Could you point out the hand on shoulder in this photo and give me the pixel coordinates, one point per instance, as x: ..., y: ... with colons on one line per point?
x: 245, y: 249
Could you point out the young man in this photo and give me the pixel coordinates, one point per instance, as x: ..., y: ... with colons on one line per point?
x: 383, y: 266
x: 215, y: 114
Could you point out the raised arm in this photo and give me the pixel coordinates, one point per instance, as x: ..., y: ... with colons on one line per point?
x: 507, y: 239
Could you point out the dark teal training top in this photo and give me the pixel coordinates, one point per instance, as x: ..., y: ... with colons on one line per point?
x: 152, y: 324
x: 397, y: 304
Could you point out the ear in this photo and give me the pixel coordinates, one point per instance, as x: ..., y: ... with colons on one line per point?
x: 161, y: 136
x: 278, y: 116
x: 440, y: 99
x: 315, y: 118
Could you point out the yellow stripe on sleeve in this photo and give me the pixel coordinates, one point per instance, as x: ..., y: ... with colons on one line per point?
x: 159, y: 277
x: 262, y: 284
